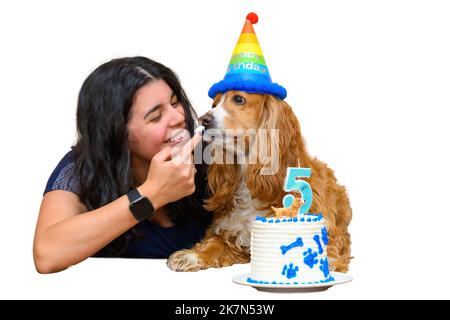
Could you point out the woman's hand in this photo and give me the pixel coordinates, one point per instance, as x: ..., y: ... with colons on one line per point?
x: 171, y: 177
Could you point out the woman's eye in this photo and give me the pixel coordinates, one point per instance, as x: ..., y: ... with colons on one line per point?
x: 238, y: 99
x: 175, y: 103
x: 155, y: 119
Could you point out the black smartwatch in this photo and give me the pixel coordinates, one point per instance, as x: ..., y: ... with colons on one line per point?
x: 140, y: 206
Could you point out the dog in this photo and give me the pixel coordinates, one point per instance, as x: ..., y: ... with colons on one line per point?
x: 239, y: 192
x: 291, y: 211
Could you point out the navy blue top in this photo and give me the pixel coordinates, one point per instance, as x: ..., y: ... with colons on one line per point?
x: 153, y: 241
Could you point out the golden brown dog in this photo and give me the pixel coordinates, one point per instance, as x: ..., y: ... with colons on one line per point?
x: 239, y: 192
x: 291, y: 211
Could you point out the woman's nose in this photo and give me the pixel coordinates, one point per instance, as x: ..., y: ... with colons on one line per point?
x: 176, y: 117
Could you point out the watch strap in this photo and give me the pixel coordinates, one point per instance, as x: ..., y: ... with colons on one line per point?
x: 133, y: 195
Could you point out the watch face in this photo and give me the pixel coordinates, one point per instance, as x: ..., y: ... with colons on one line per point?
x: 142, y: 209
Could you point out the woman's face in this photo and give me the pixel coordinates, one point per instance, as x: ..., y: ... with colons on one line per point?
x: 156, y: 120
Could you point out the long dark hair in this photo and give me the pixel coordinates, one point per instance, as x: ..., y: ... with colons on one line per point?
x: 102, y: 157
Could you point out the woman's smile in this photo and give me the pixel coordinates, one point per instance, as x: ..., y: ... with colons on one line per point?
x: 177, y: 137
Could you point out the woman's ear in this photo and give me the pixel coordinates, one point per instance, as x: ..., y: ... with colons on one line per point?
x: 278, y: 145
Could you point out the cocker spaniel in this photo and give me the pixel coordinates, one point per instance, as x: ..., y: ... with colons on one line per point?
x: 240, y: 191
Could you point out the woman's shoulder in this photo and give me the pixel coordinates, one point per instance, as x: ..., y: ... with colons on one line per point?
x: 63, y: 176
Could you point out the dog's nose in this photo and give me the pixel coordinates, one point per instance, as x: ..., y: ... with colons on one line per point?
x: 207, y: 120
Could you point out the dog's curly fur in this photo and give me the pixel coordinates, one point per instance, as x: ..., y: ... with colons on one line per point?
x: 239, y: 192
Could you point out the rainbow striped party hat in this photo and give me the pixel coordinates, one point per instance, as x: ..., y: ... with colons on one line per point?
x: 247, y: 70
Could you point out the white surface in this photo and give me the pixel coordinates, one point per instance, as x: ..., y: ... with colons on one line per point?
x: 339, y: 278
x: 369, y: 81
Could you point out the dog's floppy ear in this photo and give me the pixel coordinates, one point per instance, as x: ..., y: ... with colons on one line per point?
x: 277, y: 147
x: 223, y: 182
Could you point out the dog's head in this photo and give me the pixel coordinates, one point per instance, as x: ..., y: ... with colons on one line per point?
x: 277, y: 138
x: 235, y: 110
x: 297, y: 203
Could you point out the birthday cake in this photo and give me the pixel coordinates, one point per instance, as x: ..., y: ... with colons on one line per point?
x: 291, y: 247
x: 289, y: 250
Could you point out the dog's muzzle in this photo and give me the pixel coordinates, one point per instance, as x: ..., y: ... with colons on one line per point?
x: 207, y: 120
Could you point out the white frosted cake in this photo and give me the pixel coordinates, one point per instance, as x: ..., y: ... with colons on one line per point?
x: 289, y: 251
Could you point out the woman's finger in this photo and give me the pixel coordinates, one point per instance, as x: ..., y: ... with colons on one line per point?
x: 164, y: 154
x: 186, y: 152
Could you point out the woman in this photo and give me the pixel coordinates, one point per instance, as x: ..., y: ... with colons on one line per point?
x: 126, y: 189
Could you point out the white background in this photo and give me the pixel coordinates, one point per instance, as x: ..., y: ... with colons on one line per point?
x: 368, y: 80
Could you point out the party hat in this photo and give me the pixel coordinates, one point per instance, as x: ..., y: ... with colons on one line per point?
x: 247, y: 70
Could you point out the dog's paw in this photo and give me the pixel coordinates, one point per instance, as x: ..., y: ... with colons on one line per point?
x: 184, y: 260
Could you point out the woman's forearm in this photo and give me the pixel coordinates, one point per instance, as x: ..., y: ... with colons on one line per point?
x: 71, y: 241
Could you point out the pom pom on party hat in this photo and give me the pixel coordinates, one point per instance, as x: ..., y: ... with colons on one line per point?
x: 247, y: 70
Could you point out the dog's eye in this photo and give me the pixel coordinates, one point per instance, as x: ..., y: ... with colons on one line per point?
x: 238, y: 99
